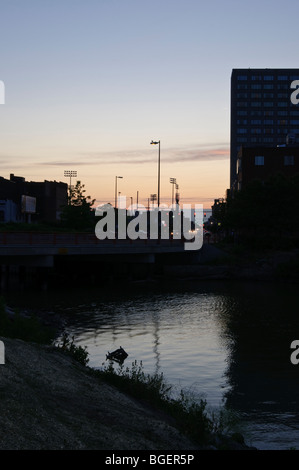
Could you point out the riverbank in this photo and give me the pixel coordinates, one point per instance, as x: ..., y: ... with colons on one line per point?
x: 49, y: 401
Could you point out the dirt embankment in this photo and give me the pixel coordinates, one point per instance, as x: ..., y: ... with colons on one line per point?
x: 49, y: 401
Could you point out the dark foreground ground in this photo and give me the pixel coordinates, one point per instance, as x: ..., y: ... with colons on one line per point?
x: 49, y: 401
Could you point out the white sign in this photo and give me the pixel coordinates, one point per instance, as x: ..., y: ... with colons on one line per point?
x: 28, y: 204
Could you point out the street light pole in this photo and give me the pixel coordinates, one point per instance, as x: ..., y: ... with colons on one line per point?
x: 155, y: 143
x: 153, y: 198
x: 116, y: 178
x: 70, y: 174
x: 173, y: 182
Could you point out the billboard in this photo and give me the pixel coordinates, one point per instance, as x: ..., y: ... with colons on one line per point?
x: 28, y: 205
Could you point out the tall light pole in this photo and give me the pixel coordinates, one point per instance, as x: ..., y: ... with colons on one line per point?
x: 173, y: 182
x: 158, y: 143
x: 177, y: 195
x: 153, y: 198
x: 116, y: 178
x: 132, y: 209
x: 70, y: 174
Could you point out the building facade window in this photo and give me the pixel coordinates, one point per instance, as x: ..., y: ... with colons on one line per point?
x: 262, y: 109
x: 289, y: 160
x: 259, y: 160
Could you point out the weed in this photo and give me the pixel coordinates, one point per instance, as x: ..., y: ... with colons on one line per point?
x: 192, y: 417
x: 68, y: 345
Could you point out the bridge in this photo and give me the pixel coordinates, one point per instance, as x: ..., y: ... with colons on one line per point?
x: 22, y: 252
x: 41, y: 248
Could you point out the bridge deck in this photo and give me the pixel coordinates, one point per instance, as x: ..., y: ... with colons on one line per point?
x: 32, y: 243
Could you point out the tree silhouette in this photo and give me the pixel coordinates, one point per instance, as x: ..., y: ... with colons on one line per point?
x: 263, y: 210
x: 78, y: 213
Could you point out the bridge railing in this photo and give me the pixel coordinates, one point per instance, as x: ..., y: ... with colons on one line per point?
x: 56, y: 238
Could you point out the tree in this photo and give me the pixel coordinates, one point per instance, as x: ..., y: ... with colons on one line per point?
x: 266, y: 210
x: 78, y: 213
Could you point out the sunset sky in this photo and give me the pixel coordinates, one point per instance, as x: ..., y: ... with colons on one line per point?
x: 89, y: 84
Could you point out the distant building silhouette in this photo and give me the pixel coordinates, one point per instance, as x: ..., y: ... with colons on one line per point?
x: 50, y: 197
x: 262, y: 113
x: 263, y: 162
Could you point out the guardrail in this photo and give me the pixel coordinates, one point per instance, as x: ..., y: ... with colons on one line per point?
x: 83, y: 239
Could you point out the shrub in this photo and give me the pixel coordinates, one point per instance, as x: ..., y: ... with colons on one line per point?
x: 192, y: 417
x: 68, y: 345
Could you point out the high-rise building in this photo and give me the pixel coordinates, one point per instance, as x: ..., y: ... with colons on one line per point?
x: 264, y: 110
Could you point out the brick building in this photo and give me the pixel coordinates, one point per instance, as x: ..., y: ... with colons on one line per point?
x: 262, y: 162
x: 50, y: 197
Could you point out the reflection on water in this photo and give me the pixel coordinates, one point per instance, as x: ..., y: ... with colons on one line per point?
x: 228, y: 341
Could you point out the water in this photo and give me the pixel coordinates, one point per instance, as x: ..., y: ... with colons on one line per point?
x: 226, y: 341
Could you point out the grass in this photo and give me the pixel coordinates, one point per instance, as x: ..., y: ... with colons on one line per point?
x: 68, y: 346
x: 26, y: 328
x: 192, y: 417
